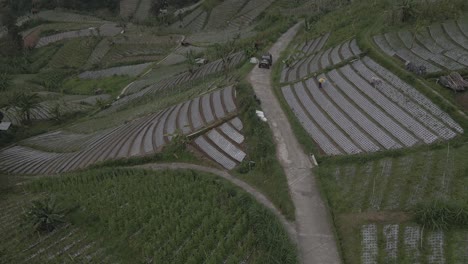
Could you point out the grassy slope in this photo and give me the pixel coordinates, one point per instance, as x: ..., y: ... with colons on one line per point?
x: 111, y: 85
x: 74, y: 53
x: 209, y: 219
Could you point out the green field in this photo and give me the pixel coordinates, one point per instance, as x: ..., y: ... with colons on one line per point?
x: 389, y: 191
x: 136, y: 216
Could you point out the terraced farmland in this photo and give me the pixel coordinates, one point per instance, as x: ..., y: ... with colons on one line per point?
x: 130, y: 70
x: 223, y: 144
x: 106, y: 30
x: 349, y: 115
x: 437, y: 47
x: 369, y: 200
x: 316, y: 60
x: 166, y: 216
x: 22, y: 245
x: 138, y: 90
x: 45, y: 111
x: 193, y: 22
x: 222, y: 13
x: 141, y: 137
x: 73, y: 54
x: 249, y: 13
x: 128, y: 8
x: 61, y: 16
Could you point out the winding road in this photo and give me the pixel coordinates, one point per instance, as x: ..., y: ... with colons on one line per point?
x: 315, y: 236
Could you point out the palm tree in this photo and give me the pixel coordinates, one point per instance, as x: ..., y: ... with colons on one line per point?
x: 24, y: 103
x: 44, y: 215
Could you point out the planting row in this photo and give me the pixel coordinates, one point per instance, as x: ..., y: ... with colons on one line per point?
x: 139, y: 89
x: 250, y: 11
x: 128, y: 8
x: 353, y: 113
x: 222, y: 144
x: 44, y: 111
x: 130, y: 70
x: 312, y: 64
x: 397, y: 184
x: 195, y: 21
x: 21, y: 244
x: 61, y: 16
x: 221, y: 14
x: 140, y: 137
x: 143, y: 10
x: 107, y: 30
x: 397, y: 243
x: 437, y: 47
x: 171, y: 216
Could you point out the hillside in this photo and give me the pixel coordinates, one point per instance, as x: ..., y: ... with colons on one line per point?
x: 145, y: 131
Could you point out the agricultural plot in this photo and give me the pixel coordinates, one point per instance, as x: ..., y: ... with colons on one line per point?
x: 61, y: 16
x: 137, y: 92
x: 409, y: 243
x: 249, y: 13
x: 45, y: 111
x: 385, y: 189
x: 73, y: 54
x: 351, y: 114
x: 130, y: 70
x: 223, y: 144
x: 143, y: 10
x: 159, y: 217
x: 106, y: 30
x: 128, y: 8
x: 193, y: 22
x: 127, y: 53
x: 22, y: 244
x: 58, y: 141
x: 141, y: 137
x: 437, y: 47
x: 309, y: 59
x: 222, y: 13
x: 98, y: 53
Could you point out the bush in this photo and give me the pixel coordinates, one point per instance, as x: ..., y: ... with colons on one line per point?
x: 44, y: 215
x: 443, y: 215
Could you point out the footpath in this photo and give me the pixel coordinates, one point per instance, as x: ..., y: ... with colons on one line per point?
x: 315, y: 237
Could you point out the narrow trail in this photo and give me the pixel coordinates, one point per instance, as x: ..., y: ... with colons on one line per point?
x: 316, y: 240
x: 225, y: 175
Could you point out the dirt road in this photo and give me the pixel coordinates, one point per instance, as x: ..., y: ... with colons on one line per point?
x: 315, y: 236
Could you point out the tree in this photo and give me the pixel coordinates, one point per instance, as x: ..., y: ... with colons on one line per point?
x: 191, y: 63
x: 5, y: 81
x: 44, y: 215
x: 24, y: 103
x: 225, y: 52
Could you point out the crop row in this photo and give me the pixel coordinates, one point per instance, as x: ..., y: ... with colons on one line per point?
x: 320, y: 61
x: 351, y: 114
x: 398, y: 183
x: 45, y: 111
x: 222, y: 13
x: 137, y: 92
x: 170, y: 217
x: 223, y: 144
x: 437, y: 47
x: 248, y: 13
x: 104, y: 30
x: 397, y: 243
x: 141, y: 137
x: 130, y: 70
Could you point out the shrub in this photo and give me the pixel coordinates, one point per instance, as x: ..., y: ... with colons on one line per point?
x: 44, y: 215
x: 441, y: 214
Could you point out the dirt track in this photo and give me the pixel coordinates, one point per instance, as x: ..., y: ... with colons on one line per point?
x: 315, y: 237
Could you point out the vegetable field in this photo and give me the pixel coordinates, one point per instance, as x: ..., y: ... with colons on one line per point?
x: 373, y: 203
x: 156, y: 217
